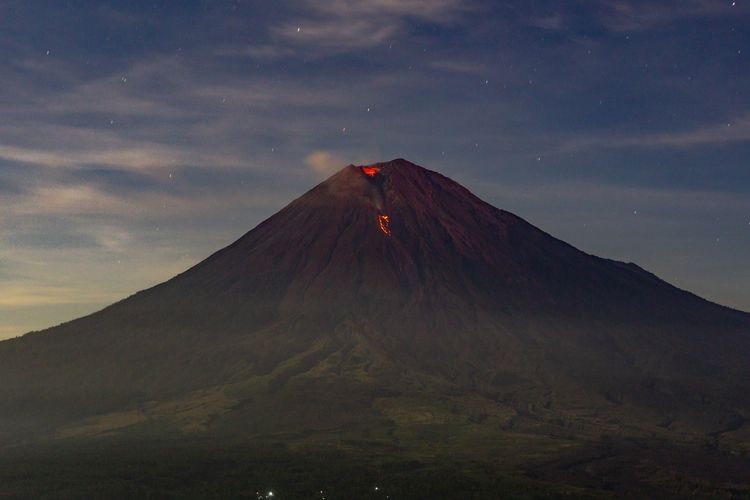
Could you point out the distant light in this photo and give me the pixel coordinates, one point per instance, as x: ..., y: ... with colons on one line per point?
x: 270, y: 494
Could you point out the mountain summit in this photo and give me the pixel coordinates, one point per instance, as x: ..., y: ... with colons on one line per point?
x: 387, y: 299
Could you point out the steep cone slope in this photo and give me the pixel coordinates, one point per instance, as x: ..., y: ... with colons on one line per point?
x: 383, y: 283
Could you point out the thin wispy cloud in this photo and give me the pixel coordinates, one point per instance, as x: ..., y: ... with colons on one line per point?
x: 336, y: 26
x: 455, y: 66
x: 623, y: 17
x: 638, y: 15
x: 735, y: 130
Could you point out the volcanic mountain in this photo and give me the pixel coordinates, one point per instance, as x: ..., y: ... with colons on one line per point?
x: 386, y: 303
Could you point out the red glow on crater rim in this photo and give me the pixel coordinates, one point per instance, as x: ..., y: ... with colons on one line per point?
x: 370, y: 171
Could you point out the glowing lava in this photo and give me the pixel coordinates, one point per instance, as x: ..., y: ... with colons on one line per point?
x: 370, y: 171
x: 384, y: 223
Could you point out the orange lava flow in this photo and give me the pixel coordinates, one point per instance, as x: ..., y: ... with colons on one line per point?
x: 384, y: 223
x: 370, y: 171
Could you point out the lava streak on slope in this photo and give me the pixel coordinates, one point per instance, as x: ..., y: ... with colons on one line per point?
x: 370, y: 171
x: 384, y: 223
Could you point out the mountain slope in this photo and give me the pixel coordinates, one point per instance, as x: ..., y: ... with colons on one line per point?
x: 385, y: 293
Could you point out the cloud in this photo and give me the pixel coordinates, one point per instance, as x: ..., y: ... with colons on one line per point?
x: 89, y: 199
x: 338, y: 26
x: 438, y: 11
x: 324, y: 162
x: 736, y: 130
x: 639, y: 15
x: 552, y: 22
x: 120, y: 153
x: 732, y: 131
x: 27, y: 294
x: 622, y: 16
x: 601, y: 193
x: 169, y: 114
x: 336, y: 35
x: 5, y: 273
x: 454, y: 66
x: 262, y: 52
x: 325, y: 31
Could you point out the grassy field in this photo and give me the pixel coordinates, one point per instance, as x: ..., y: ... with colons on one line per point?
x: 114, y: 468
x: 206, y: 471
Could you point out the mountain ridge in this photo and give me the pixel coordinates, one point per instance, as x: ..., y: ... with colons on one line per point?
x: 327, y: 316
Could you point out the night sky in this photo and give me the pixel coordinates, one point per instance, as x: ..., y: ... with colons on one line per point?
x: 138, y: 137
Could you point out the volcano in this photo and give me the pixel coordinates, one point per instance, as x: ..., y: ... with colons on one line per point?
x: 385, y: 305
